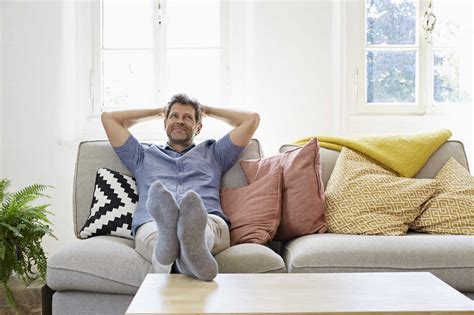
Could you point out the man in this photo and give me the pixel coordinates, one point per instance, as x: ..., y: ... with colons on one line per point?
x: 178, y: 217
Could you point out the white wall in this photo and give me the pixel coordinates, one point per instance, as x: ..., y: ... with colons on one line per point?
x: 290, y: 68
x: 36, y: 75
x: 285, y: 63
x: 1, y: 87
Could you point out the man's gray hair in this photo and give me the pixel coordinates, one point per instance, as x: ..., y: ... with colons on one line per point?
x: 185, y: 100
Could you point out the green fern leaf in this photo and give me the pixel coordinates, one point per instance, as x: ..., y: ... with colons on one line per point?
x: 3, y: 249
x: 4, y: 184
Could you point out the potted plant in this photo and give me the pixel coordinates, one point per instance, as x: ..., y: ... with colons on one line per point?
x: 22, y: 227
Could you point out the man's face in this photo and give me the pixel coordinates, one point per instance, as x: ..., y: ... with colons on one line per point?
x: 181, y: 125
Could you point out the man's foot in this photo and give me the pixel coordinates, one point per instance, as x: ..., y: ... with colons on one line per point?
x: 163, y: 208
x: 195, y: 258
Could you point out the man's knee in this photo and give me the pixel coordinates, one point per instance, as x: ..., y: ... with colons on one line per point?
x: 145, y: 239
x: 219, y: 230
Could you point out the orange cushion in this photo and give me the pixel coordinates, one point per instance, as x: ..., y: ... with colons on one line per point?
x: 303, y: 192
x: 254, y: 211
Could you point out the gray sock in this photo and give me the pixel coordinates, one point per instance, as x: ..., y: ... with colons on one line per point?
x: 163, y: 208
x: 195, y: 258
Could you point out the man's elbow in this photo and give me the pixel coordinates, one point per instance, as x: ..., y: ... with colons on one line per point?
x: 108, y: 120
x: 256, y: 119
x: 104, y: 116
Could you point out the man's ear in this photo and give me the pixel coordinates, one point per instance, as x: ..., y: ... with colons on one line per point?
x: 198, y: 130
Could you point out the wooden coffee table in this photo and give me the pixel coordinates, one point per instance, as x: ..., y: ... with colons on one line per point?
x: 316, y: 293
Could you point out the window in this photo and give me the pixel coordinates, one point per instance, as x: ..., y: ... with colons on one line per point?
x: 413, y: 55
x: 148, y: 51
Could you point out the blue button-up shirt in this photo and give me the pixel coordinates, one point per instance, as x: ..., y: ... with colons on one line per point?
x: 199, y: 168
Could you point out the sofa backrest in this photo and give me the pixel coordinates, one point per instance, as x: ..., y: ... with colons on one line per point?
x: 451, y: 148
x: 93, y: 155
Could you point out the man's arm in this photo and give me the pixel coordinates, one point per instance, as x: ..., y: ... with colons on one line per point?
x: 245, y: 123
x: 116, y: 124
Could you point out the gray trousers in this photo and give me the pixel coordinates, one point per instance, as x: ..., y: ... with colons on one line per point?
x: 217, y: 239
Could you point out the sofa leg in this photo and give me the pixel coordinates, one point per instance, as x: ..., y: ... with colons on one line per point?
x: 46, y: 300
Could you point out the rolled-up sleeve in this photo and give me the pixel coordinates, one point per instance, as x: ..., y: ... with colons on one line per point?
x: 226, y: 152
x: 131, y: 153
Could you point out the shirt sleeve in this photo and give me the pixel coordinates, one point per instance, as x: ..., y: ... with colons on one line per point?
x: 131, y: 153
x: 226, y: 152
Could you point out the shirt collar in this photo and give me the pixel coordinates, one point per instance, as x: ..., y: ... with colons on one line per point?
x: 168, y: 147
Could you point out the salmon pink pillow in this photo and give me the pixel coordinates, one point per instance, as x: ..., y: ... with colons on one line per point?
x: 303, y: 192
x: 254, y: 211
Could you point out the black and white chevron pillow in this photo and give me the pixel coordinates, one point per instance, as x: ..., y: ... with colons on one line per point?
x: 114, y: 202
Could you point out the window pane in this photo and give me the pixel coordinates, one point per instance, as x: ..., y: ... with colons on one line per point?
x: 127, y: 78
x: 127, y: 24
x: 446, y: 76
x: 195, y: 72
x: 193, y: 23
x: 391, y: 22
x: 391, y: 76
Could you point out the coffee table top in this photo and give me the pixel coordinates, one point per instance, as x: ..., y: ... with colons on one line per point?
x: 296, y: 293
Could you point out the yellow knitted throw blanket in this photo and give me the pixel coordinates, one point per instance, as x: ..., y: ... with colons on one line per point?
x: 404, y: 154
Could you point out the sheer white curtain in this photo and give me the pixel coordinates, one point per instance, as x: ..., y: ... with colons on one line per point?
x: 67, y: 79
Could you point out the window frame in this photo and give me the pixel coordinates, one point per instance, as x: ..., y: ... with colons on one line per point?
x: 419, y: 106
x: 159, y: 53
x: 355, y: 27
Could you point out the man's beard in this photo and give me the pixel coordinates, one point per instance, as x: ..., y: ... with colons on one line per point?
x: 182, y: 141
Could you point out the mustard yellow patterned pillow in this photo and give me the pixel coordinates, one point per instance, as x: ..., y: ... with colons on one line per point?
x: 364, y: 198
x: 452, y: 211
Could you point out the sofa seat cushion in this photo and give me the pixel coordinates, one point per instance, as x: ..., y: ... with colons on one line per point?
x: 109, y: 264
x: 451, y: 258
x: 104, y: 264
x: 249, y: 258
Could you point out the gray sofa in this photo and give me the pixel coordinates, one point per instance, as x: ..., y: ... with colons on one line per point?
x: 101, y: 274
